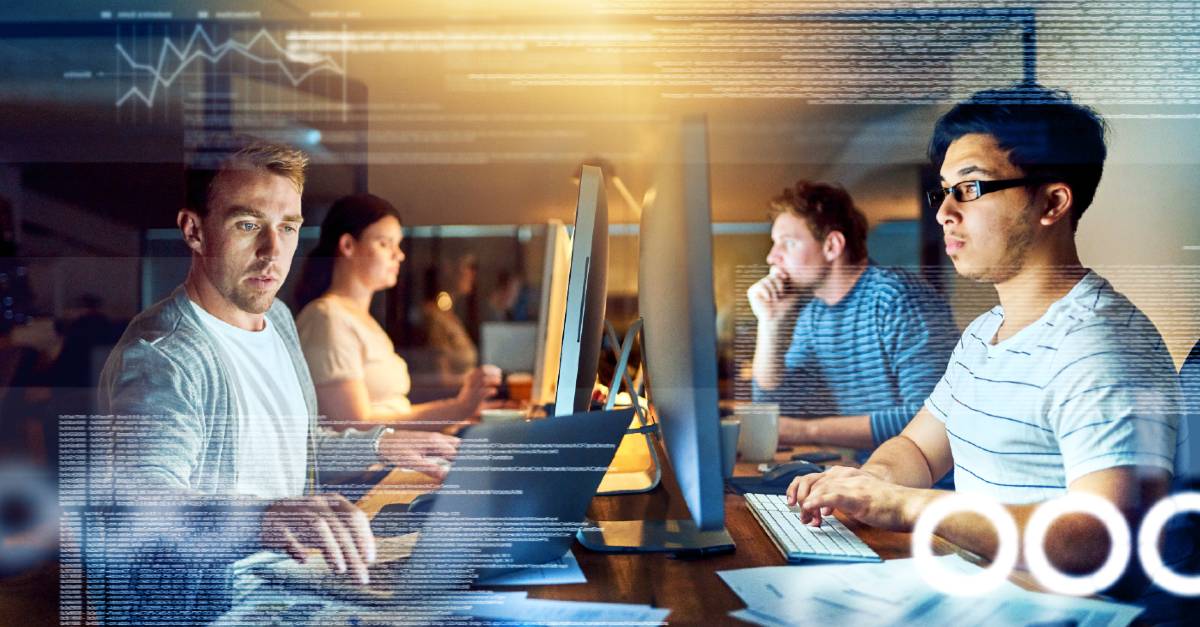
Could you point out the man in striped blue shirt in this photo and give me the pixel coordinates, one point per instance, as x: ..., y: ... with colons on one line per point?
x: 1066, y: 387
x: 868, y: 347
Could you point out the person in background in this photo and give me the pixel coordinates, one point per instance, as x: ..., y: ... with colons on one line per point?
x: 464, y: 294
x: 85, y: 330
x: 455, y: 352
x: 865, y: 351
x: 358, y: 375
x: 1189, y: 383
x: 502, y: 303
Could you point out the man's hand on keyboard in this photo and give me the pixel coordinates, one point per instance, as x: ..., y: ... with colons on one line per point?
x: 858, y: 494
x: 421, y: 451
x: 328, y: 522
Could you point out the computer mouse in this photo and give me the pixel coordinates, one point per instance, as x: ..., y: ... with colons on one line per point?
x: 782, y: 474
x: 397, y: 518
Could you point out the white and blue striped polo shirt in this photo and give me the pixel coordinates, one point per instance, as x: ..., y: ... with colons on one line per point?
x: 1089, y: 386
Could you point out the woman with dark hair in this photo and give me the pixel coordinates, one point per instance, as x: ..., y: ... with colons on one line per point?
x: 358, y: 375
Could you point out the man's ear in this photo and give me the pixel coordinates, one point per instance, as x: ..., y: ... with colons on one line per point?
x: 1059, y: 201
x: 835, y: 243
x: 190, y: 225
x: 346, y: 244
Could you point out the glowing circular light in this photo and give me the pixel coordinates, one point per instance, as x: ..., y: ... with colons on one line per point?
x: 444, y: 302
x: 28, y: 518
x: 1148, y: 552
x: 1081, y: 585
x: 956, y: 583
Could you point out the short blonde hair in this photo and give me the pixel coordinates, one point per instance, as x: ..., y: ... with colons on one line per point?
x: 278, y: 159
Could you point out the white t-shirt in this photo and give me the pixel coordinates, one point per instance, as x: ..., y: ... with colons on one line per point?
x: 272, y: 452
x: 1087, y: 387
x: 342, y: 345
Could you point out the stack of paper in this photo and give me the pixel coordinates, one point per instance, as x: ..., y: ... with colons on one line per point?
x: 276, y: 606
x: 893, y: 593
x: 526, y: 611
x: 504, y: 607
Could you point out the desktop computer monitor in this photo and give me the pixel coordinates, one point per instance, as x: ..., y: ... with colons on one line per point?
x: 677, y: 305
x: 679, y: 352
x: 634, y: 469
x: 587, y: 288
x: 553, y: 306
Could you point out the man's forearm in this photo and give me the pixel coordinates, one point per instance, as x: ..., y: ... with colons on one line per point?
x: 435, y: 415
x: 767, y: 362
x: 900, y: 461
x: 349, y: 450
x: 850, y: 431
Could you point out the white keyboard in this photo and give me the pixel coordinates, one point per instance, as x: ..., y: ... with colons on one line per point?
x: 831, y: 541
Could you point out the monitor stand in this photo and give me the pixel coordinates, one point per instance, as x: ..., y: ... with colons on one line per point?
x: 654, y: 536
x: 636, y: 468
x: 682, y: 537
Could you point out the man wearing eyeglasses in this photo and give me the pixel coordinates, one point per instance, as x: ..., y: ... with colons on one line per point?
x: 1065, y: 387
x: 869, y: 346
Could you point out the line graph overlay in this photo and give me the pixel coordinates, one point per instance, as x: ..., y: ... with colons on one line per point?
x: 200, y: 46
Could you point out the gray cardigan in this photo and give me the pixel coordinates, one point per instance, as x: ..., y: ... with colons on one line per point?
x: 173, y: 406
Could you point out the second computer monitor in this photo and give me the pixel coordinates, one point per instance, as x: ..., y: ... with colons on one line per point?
x: 587, y: 287
x: 676, y: 302
x: 556, y: 268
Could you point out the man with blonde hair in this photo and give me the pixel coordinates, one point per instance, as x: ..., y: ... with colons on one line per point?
x: 210, y: 392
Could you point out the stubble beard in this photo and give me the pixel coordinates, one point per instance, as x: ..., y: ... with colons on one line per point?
x: 1012, y: 261
x: 243, y: 296
x: 252, y: 301
x: 818, y: 281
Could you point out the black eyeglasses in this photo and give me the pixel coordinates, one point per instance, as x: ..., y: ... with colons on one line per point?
x: 967, y: 191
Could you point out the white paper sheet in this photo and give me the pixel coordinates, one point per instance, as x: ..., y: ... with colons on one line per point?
x: 564, y: 570
x: 893, y: 592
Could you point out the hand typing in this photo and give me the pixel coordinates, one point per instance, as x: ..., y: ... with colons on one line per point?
x: 859, y: 494
x: 419, y: 451
x: 328, y: 523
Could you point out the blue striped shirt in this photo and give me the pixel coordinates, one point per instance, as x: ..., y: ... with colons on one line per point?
x: 1088, y: 386
x: 1188, y: 463
x: 879, y: 351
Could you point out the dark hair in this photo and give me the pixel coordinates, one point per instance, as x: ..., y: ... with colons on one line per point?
x: 278, y: 159
x: 1046, y: 134
x: 432, y: 279
x: 825, y: 208
x: 349, y: 214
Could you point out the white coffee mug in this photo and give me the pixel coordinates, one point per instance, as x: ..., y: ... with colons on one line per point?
x: 760, y: 431
x: 501, y: 415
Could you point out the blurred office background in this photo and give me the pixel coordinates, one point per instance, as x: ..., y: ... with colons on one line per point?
x: 473, y: 117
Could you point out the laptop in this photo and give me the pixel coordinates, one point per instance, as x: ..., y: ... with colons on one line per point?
x: 514, y: 497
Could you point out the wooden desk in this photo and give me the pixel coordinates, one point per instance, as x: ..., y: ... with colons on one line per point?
x: 689, y: 587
